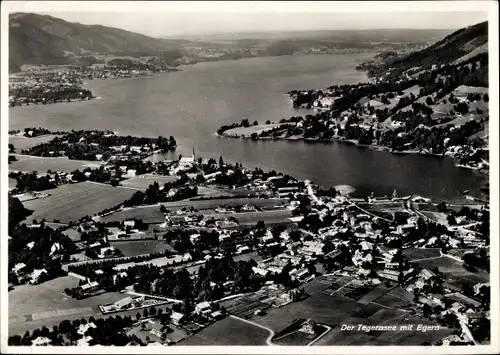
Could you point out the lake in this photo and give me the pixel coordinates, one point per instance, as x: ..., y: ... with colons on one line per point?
x: 193, y: 103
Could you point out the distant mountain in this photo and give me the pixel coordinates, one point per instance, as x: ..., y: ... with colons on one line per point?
x: 457, y: 47
x: 43, y: 39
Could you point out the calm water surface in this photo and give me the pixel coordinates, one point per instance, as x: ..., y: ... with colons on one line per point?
x: 193, y: 103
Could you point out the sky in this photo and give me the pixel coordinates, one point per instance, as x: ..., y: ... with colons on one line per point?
x: 174, y: 18
x: 175, y: 24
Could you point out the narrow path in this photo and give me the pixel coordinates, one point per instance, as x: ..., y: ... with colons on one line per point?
x: 271, y: 332
x: 328, y: 328
x: 119, y: 186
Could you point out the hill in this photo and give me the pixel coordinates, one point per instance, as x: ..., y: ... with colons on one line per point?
x: 455, y: 47
x: 43, y: 39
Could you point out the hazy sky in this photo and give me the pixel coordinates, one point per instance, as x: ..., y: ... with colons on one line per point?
x: 170, y: 24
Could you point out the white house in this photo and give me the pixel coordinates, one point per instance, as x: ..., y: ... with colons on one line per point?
x: 203, y: 308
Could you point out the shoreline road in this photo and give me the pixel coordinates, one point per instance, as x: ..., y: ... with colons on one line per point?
x: 271, y: 332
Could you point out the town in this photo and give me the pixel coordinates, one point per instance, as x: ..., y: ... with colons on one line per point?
x: 185, y: 246
x: 64, y: 83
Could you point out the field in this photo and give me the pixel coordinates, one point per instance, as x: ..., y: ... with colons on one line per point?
x: 148, y: 214
x: 229, y: 331
x: 212, y: 192
x: 336, y: 310
x: 251, y: 218
x: 71, y: 202
x: 213, y: 203
x: 247, y: 131
x: 28, y: 163
x: 298, y: 338
x: 395, y: 298
x: 73, y: 234
x: 141, y: 247
x: 32, y: 306
x: 374, y: 294
x: 141, y: 182
x: 21, y: 142
x: 421, y: 253
x: 454, y: 274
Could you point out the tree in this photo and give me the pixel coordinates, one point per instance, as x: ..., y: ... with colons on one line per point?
x: 486, y: 98
x: 442, y: 207
x: 114, y: 182
x: 462, y: 108
x: 255, y: 123
x: 427, y: 310
x: 138, y: 316
x: 268, y: 122
x: 429, y: 101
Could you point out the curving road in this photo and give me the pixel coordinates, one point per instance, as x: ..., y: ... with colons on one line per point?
x: 271, y: 332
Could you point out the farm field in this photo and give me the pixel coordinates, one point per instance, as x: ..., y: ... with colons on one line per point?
x: 229, y: 331
x: 140, y: 247
x: 21, y: 142
x: 142, y: 182
x: 71, y: 202
x: 421, y: 253
x: 251, y: 218
x: 206, y: 191
x: 33, y: 306
x: 335, y: 310
x: 395, y: 298
x: 148, y: 214
x: 29, y: 163
x: 213, y: 203
x: 374, y: 294
x: 454, y: 273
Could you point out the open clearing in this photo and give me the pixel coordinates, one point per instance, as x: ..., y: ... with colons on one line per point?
x: 336, y: 310
x: 29, y: 163
x: 71, y: 202
x: 247, y: 131
x: 213, y: 203
x: 251, y: 218
x: 141, y: 247
x: 32, y: 306
x: 148, y: 214
x: 21, y: 142
x: 421, y: 253
x: 229, y: 331
x: 454, y: 274
x: 207, y: 191
x: 142, y: 182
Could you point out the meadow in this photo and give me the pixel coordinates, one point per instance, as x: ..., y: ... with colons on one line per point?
x: 29, y: 163
x: 229, y: 331
x: 71, y: 202
x: 148, y: 214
